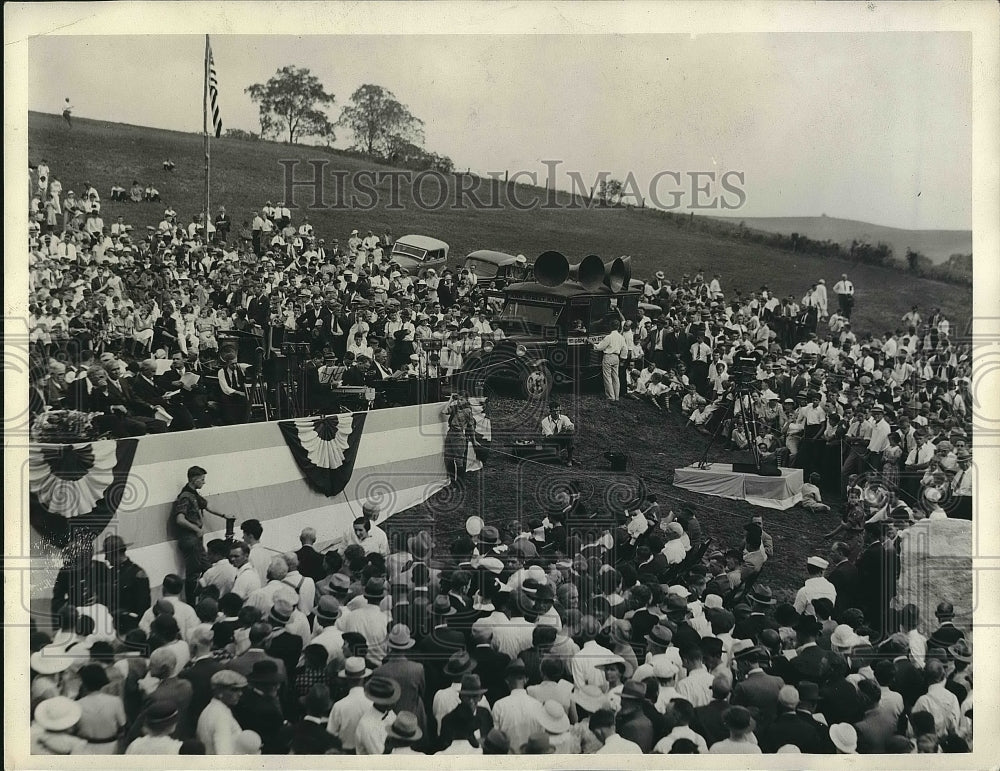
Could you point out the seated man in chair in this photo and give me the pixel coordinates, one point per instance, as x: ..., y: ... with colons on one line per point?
x: 558, y: 431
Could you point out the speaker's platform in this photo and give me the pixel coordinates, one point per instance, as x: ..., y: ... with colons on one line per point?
x: 726, y: 481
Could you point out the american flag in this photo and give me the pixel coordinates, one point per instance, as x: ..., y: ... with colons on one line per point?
x: 213, y: 93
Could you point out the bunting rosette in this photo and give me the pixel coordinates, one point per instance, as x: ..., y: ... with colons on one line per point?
x: 325, y: 448
x: 76, y: 488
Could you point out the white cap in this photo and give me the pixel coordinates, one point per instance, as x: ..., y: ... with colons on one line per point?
x: 818, y: 562
x: 713, y: 601
x: 679, y: 590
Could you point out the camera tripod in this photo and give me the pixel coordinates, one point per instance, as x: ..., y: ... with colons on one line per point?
x: 741, y: 390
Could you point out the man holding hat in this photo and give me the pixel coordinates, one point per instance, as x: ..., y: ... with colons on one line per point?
x: 816, y: 586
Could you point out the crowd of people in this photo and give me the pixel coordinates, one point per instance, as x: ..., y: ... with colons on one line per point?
x: 579, y: 631
x: 573, y: 634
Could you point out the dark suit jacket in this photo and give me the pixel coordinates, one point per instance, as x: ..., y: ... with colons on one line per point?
x: 844, y: 577
x: 840, y: 702
x: 482, y: 720
x: 433, y: 651
x: 758, y: 692
x: 256, y: 712
x: 412, y: 686
x: 637, y: 728
x: 287, y: 647
x: 708, y: 721
x: 908, y: 682
x: 245, y: 661
x: 791, y: 728
x: 490, y: 666
x: 810, y: 664
x: 310, y: 738
x: 146, y: 392
x: 310, y: 563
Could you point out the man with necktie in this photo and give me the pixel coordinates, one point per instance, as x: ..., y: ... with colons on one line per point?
x: 232, y: 384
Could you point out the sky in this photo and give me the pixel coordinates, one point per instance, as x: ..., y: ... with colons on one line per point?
x: 867, y: 126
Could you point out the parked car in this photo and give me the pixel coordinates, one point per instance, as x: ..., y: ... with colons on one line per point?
x: 495, y: 270
x: 418, y: 253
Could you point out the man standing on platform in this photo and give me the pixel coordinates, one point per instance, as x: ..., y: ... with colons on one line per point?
x: 187, y: 527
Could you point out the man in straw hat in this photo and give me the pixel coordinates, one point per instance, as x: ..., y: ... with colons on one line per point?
x: 347, y: 712
x: 51, y: 728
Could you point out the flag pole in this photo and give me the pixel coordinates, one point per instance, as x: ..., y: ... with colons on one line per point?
x: 208, y: 140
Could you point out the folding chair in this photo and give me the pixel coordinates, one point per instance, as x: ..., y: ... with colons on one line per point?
x: 256, y: 392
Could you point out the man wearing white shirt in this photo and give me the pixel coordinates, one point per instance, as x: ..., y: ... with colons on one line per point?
x: 962, y: 485
x: 938, y: 700
x: 247, y: 580
x: 844, y: 290
x: 815, y: 586
x: 558, y: 430
x: 518, y: 715
x: 583, y: 664
x: 347, y: 713
x: 879, y: 441
x: 613, y: 346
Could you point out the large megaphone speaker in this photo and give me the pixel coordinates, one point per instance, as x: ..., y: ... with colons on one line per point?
x: 589, y: 271
x: 618, y: 273
x: 552, y: 269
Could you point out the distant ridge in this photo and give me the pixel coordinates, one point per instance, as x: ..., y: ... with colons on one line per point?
x: 935, y: 245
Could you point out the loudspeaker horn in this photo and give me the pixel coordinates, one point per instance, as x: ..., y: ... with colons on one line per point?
x: 551, y: 268
x: 589, y: 272
x: 618, y: 273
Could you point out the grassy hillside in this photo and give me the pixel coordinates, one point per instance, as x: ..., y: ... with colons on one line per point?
x: 245, y: 174
x: 936, y: 245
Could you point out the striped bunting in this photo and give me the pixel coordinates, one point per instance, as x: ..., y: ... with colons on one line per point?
x: 398, y: 463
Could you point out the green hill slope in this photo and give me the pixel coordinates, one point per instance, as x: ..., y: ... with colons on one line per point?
x: 246, y: 174
x: 936, y: 245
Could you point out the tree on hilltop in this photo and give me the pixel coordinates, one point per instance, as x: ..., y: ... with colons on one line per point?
x: 380, y: 123
x: 293, y: 100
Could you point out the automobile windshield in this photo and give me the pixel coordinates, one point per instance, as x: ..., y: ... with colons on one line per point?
x: 530, y: 313
x: 483, y: 269
x: 413, y: 252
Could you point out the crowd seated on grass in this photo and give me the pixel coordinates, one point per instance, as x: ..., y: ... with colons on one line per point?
x: 576, y: 631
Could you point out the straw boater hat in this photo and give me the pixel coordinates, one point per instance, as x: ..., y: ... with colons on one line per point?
x: 58, y: 714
